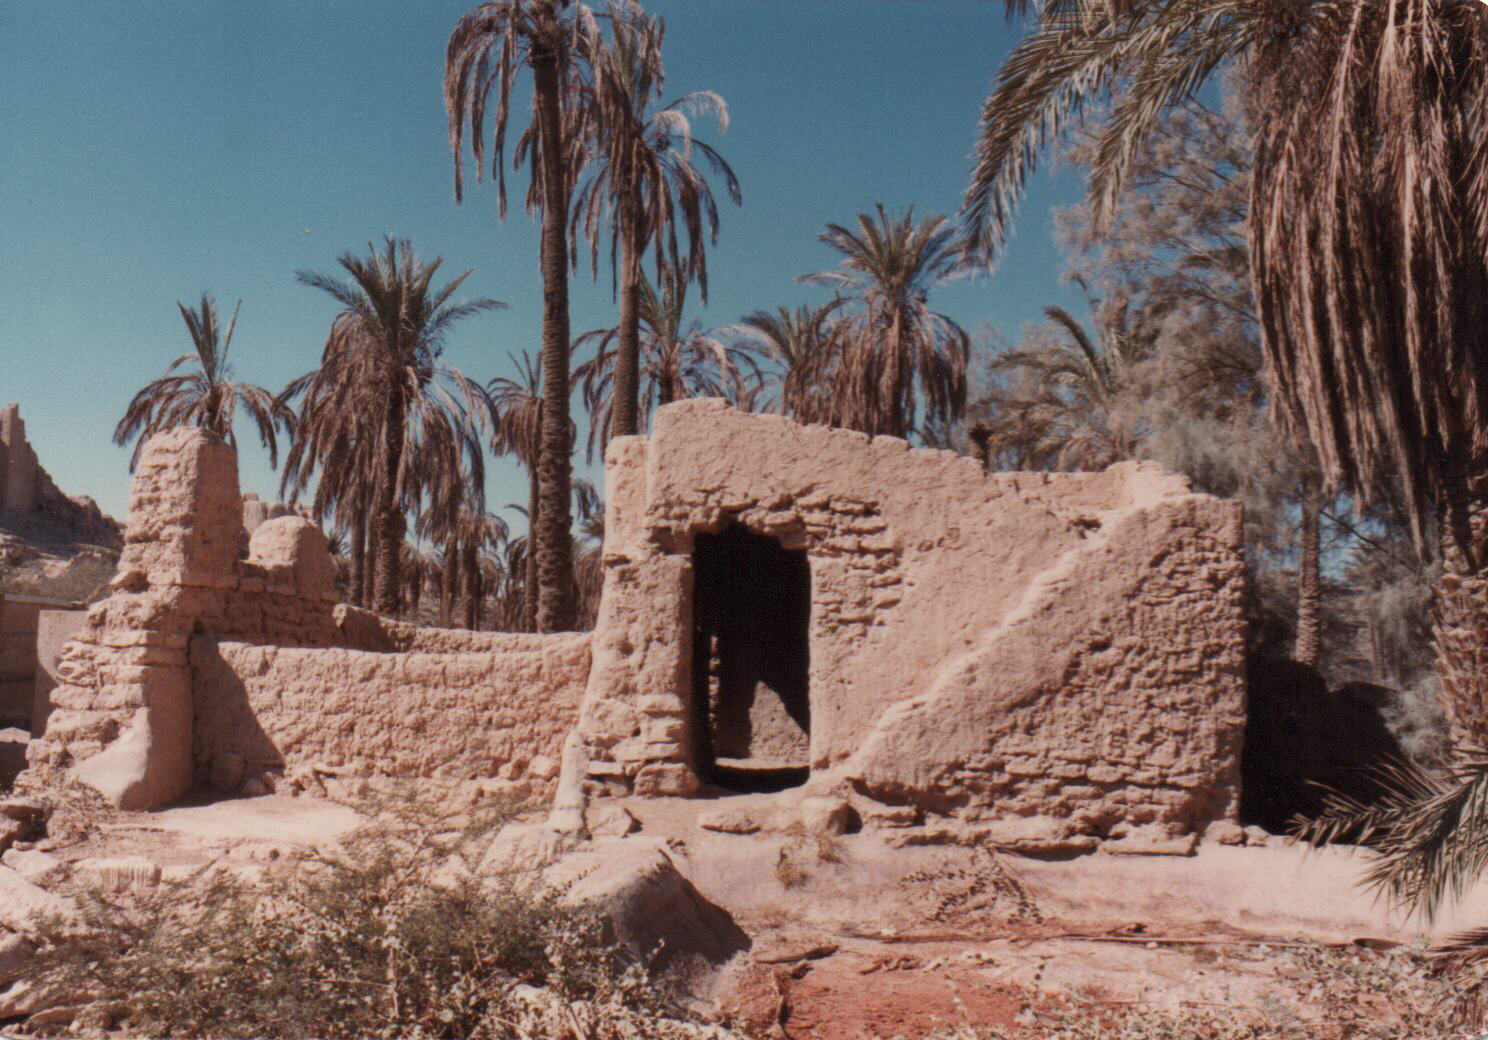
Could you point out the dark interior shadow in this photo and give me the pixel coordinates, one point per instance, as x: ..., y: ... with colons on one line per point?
x: 751, y: 613
x: 1302, y: 739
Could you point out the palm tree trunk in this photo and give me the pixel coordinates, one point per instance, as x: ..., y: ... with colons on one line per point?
x: 981, y: 444
x: 391, y: 524
x: 470, y: 568
x: 358, y: 552
x: 447, y: 583
x: 369, y: 571
x: 555, y: 605
x: 625, y: 413
x: 529, y: 585
x: 1309, y: 582
x: 1460, y: 621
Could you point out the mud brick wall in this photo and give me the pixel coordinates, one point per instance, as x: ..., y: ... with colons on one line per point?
x: 1049, y: 654
x: 500, y: 712
x: 198, y: 655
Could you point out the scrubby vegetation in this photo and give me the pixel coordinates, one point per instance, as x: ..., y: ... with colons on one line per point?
x: 386, y: 936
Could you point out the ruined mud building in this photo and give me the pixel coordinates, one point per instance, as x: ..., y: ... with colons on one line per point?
x: 1046, y: 660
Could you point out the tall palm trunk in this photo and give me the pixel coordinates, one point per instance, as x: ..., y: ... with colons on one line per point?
x: 896, y: 379
x: 470, y: 569
x: 359, y: 552
x: 626, y: 415
x: 448, y: 582
x: 1460, y: 621
x: 370, y: 540
x: 529, y: 585
x: 555, y: 605
x: 391, y: 524
x: 1309, y: 581
x: 981, y: 444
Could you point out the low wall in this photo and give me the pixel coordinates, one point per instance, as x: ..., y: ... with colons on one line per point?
x: 54, y: 628
x: 19, y: 621
x: 500, y: 713
x: 199, y: 659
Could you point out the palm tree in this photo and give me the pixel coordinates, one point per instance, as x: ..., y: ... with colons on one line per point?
x: 487, y: 48
x: 795, y: 339
x: 207, y: 398
x: 517, y: 410
x: 679, y: 361
x: 383, y: 355
x: 890, y: 342
x: 1367, y: 231
x: 338, y: 438
x: 645, y: 181
x: 1059, y: 403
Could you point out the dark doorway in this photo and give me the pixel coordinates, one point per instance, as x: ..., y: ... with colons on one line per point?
x: 751, y: 661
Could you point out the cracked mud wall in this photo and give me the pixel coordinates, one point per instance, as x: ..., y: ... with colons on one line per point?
x: 1056, y: 647
x: 500, y: 712
x: 199, y: 658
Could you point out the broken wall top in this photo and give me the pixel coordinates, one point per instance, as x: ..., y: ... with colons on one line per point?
x: 1017, y: 642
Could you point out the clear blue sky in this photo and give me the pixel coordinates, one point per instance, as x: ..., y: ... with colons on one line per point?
x: 152, y: 150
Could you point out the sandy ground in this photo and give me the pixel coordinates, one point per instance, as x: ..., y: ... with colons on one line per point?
x: 870, y: 940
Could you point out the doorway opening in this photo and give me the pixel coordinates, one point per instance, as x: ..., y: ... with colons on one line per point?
x: 751, y: 661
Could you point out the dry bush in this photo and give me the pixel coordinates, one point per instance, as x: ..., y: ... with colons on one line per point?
x: 379, y: 937
x: 802, y: 848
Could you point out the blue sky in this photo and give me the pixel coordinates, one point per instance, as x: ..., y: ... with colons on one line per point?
x: 153, y: 150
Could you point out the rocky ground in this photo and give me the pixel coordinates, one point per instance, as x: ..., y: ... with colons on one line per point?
x: 66, y: 550
x: 813, y: 934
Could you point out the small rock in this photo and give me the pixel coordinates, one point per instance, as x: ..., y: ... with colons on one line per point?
x: 1256, y: 836
x: 11, y: 831
x: 22, y: 902
x: 227, y: 770
x: 36, y: 867
x: 1144, y: 845
x: 99, y: 1017
x: 828, y: 815
x: 666, y: 780
x: 20, y: 1000
x: 728, y: 821
x: 788, y: 952
x: 15, y: 955
x: 542, y: 767
x: 254, y: 787
x: 54, y: 1016
x: 131, y: 580
x: 605, y: 819
x: 1226, y: 832
x: 26, y: 810
x: 878, y: 815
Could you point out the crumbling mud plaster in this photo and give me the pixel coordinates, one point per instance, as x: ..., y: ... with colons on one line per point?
x: 202, y: 666
x: 501, y: 712
x: 1051, y: 655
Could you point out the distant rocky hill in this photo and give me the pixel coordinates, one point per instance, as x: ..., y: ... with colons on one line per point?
x: 51, y: 544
